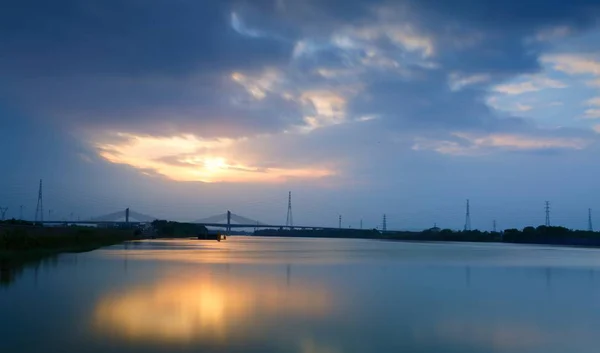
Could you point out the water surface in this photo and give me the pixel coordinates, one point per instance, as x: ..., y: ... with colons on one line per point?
x: 306, y: 295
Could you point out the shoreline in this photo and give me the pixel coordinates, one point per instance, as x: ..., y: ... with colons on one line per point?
x: 22, y: 246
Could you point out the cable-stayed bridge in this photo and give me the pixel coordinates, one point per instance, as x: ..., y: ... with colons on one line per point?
x: 229, y: 216
x: 227, y: 220
x: 124, y: 215
x: 224, y: 220
x: 129, y: 217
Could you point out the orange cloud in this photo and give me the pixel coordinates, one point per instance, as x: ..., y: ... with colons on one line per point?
x: 328, y: 108
x: 189, y: 158
x: 472, y: 144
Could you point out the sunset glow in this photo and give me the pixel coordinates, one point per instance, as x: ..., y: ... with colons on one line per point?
x: 189, y: 158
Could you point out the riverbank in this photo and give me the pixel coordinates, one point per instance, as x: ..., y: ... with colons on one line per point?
x: 23, y: 245
x: 16, y: 240
x: 541, y: 235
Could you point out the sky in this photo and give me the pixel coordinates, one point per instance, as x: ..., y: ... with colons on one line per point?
x: 184, y: 109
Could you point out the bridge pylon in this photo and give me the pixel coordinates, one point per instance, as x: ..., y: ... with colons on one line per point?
x: 228, y: 223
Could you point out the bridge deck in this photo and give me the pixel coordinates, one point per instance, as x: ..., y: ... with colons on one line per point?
x: 218, y: 225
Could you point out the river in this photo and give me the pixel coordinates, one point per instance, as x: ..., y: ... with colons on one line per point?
x: 265, y: 295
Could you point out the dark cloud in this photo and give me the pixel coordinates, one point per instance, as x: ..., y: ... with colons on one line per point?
x: 470, y: 35
x: 163, y: 67
x: 207, y: 105
x: 427, y: 103
x: 511, y: 15
x: 127, y: 37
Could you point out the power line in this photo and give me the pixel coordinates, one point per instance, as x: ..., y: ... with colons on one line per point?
x: 547, y: 213
x: 468, y: 218
x: 590, y: 227
x: 39, y: 210
x: 289, y: 220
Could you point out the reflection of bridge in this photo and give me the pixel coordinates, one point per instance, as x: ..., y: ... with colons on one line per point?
x: 224, y: 220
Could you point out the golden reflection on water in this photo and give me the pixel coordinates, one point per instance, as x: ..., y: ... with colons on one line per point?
x: 238, y: 250
x: 207, y: 307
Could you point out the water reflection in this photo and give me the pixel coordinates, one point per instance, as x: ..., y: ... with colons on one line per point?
x: 208, y: 306
x: 307, y: 296
x: 495, y: 336
x: 13, y: 269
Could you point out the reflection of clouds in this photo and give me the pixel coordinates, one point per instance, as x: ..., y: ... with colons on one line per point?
x: 496, y: 335
x: 206, y: 307
x: 310, y: 346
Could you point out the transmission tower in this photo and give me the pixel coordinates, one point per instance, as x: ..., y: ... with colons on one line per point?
x: 494, y: 226
x: 547, y: 213
x: 340, y: 222
x: 384, y: 223
x: 361, y: 226
x: 289, y: 221
x: 468, y: 218
x: 39, y: 210
x: 590, y: 227
x: 3, y: 213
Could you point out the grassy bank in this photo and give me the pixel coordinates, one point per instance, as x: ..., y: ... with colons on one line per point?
x: 26, y: 245
x: 20, y: 240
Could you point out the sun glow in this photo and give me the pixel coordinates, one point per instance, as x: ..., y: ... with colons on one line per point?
x: 214, y: 164
x: 189, y: 158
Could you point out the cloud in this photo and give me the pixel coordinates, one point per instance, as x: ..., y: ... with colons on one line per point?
x: 518, y: 107
x: 324, y: 109
x: 239, y: 26
x: 259, y: 86
x: 532, y: 84
x: 573, y: 63
x: 592, y: 114
x: 367, y: 118
x: 553, y: 33
x: 320, y: 106
x: 189, y: 158
x: 593, y: 101
x: 523, y: 108
x: 230, y: 71
x: 128, y: 37
x: 458, y: 82
x: 404, y: 36
x: 474, y: 144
